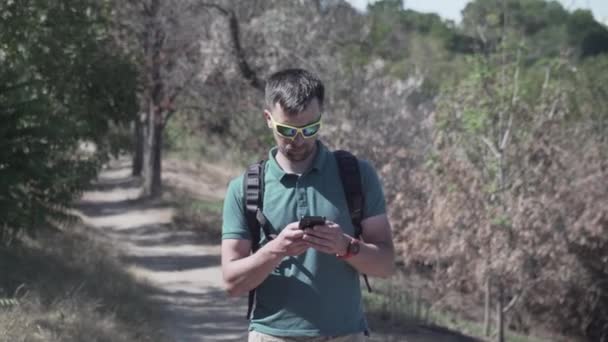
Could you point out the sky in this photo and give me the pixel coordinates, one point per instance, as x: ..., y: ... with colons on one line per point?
x: 450, y: 9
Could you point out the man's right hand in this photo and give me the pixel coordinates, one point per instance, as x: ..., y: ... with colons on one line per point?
x: 289, y: 241
x: 244, y: 271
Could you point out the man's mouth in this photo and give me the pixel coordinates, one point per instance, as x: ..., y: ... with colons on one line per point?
x: 296, y: 149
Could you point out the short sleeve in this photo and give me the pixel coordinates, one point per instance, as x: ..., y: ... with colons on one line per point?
x: 234, y: 223
x: 375, y: 204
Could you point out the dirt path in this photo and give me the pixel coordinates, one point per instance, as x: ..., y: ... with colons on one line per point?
x: 183, y: 267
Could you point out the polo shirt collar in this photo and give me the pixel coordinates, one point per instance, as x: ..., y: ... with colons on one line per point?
x: 317, y: 164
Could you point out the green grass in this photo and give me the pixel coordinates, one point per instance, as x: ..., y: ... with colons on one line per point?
x: 69, y: 287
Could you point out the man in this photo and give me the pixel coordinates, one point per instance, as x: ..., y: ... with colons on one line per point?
x: 307, y: 281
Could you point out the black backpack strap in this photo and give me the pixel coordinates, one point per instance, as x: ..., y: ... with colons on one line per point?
x: 253, y: 193
x: 350, y: 175
x: 253, y: 190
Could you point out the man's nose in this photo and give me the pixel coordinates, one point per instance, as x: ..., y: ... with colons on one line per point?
x: 298, y: 139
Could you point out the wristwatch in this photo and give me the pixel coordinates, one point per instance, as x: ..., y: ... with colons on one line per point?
x: 352, y: 249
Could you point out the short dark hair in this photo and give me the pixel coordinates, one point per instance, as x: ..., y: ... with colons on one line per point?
x: 293, y: 89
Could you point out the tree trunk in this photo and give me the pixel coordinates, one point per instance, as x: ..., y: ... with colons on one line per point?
x: 500, y: 335
x: 148, y: 165
x: 138, y: 153
x: 486, y: 311
x: 152, y: 156
x: 157, y: 167
x: 154, y: 94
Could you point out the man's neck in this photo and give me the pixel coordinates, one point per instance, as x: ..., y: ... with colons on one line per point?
x: 298, y: 167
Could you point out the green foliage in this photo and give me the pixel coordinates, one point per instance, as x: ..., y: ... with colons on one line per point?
x: 502, y: 221
x: 474, y: 121
x: 589, y: 103
x: 590, y: 36
x: 180, y: 137
x: 60, y: 88
x: 392, y: 28
x: 547, y: 25
x: 355, y: 55
x: 420, y: 43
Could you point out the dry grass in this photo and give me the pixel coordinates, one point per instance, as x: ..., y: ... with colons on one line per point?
x: 72, y: 288
x: 400, y: 305
x: 202, y: 216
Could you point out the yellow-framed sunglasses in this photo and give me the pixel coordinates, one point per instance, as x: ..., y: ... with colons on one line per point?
x: 290, y: 132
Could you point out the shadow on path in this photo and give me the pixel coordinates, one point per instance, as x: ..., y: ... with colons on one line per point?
x: 202, y: 316
x: 173, y: 262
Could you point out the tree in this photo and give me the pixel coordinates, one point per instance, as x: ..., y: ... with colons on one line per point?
x: 516, y: 191
x: 550, y: 28
x: 167, y: 39
x: 60, y: 87
x: 590, y: 36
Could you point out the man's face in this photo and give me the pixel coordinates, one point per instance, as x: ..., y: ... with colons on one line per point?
x: 298, y: 148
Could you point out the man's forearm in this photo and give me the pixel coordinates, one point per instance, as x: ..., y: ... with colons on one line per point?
x: 245, y: 274
x: 374, y: 259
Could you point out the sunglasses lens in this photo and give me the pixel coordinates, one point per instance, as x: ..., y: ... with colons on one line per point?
x: 311, y: 130
x: 286, y: 131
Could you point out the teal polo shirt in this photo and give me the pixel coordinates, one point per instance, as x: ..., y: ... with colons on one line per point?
x: 313, y: 294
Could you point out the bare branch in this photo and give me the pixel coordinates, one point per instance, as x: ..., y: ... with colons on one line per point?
x: 507, y: 135
x: 516, y: 79
x: 546, y: 82
x: 221, y: 9
x: 511, y: 303
x: 481, y: 35
x: 553, y: 108
x: 170, y: 103
x: 168, y: 116
x: 490, y: 146
x: 244, y: 66
x: 150, y: 9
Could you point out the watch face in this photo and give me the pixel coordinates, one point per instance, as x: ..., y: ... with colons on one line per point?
x: 354, y: 247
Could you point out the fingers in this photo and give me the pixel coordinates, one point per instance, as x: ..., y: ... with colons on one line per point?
x: 332, y: 224
x: 298, y: 248
x: 298, y: 244
x: 293, y: 226
x: 295, y: 234
x: 329, y: 227
x: 324, y: 238
x: 292, y: 232
x: 323, y: 232
x: 318, y: 242
x: 321, y: 247
x: 301, y: 249
x: 328, y: 238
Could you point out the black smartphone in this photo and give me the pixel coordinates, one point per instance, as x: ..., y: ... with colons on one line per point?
x: 311, y: 221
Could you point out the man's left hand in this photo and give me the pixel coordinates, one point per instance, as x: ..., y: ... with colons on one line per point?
x: 328, y: 238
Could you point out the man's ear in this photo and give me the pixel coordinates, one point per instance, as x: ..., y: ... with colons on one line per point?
x: 267, y: 117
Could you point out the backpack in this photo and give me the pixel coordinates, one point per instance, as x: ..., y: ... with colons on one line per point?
x: 253, y: 190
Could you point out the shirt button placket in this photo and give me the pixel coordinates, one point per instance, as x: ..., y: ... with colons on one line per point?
x: 301, y: 199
